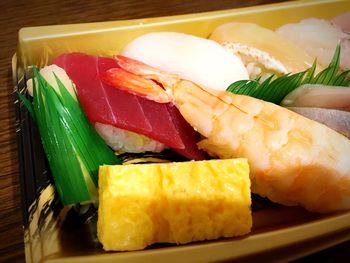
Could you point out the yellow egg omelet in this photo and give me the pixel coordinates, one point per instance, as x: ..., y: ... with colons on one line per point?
x: 142, y: 204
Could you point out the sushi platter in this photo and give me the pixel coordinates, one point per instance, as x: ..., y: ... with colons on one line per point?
x: 163, y: 138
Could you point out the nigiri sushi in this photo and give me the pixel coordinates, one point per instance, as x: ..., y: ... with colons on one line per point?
x: 342, y: 21
x: 150, y: 125
x: 319, y: 37
x: 263, y: 51
x: 197, y: 59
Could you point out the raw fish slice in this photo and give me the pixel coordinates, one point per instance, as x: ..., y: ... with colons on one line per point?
x: 101, y: 102
x: 293, y: 58
x: 319, y: 38
x: 71, y: 62
x: 127, y: 108
x: 161, y: 121
x: 200, y: 60
x: 319, y: 96
x: 342, y: 21
x: 187, y: 135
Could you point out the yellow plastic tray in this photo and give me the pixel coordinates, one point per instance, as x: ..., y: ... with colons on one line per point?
x: 279, y: 233
x: 38, y: 45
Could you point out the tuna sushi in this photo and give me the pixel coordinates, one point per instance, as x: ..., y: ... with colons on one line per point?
x: 118, y: 114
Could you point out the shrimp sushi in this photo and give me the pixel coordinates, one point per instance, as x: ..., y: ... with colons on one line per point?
x: 293, y: 160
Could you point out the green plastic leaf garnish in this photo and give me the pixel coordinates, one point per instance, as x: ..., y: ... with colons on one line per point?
x: 73, y: 148
x: 274, y: 89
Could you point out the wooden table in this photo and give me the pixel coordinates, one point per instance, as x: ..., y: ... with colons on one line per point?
x: 21, y: 13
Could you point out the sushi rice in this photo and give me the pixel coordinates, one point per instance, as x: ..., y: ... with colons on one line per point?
x: 127, y: 141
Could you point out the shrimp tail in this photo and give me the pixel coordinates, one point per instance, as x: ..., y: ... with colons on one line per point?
x: 141, y: 69
x: 137, y: 78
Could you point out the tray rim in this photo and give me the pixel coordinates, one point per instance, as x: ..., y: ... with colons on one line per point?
x: 291, y: 236
x: 153, y: 21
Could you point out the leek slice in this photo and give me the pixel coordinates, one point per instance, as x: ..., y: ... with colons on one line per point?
x: 73, y: 148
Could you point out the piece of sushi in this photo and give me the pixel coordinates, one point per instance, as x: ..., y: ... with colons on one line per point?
x: 200, y: 60
x: 152, y: 124
x: 319, y: 37
x: 342, y: 21
x: 262, y: 50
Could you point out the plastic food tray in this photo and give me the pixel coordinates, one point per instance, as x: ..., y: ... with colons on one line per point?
x: 54, y: 233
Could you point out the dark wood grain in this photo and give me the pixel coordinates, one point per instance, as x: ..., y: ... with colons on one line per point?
x: 20, y: 13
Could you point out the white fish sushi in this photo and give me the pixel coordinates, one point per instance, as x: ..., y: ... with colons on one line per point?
x: 319, y: 38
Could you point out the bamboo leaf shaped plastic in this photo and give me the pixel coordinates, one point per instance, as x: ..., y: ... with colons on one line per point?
x: 73, y: 148
x: 274, y: 89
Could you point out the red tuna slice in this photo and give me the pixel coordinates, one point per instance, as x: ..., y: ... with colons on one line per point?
x: 161, y: 113
x: 188, y: 136
x: 100, y: 102
x: 106, y: 104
